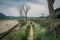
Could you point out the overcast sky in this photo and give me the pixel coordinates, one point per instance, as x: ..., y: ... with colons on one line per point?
x: 9, y: 7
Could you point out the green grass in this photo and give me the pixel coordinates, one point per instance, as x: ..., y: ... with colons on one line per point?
x: 21, y: 34
x: 41, y: 33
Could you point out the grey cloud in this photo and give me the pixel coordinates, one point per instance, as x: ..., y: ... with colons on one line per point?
x: 57, y: 4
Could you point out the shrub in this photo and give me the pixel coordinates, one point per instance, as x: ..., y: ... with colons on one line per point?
x: 41, y: 33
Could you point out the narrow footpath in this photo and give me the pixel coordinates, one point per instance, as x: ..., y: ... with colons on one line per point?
x: 30, y: 36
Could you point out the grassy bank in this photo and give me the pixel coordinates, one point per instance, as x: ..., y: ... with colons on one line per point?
x: 41, y: 33
x: 21, y: 34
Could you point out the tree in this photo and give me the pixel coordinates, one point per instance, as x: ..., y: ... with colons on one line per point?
x: 23, y: 8
x: 51, y: 14
x: 26, y: 8
x: 42, y: 15
x: 57, y: 13
x: 20, y: 9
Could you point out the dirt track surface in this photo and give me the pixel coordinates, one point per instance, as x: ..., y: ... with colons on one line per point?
x: 6, y: 25
x: 30, y: 36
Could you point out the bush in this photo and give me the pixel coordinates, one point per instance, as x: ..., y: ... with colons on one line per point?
x: 41, y: 33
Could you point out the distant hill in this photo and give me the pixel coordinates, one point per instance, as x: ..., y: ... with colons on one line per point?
x: 2, y: 15
x: 13, y: 17
x: 7, y: 17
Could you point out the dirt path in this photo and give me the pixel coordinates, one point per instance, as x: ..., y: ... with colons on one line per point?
x: 30, y: 36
